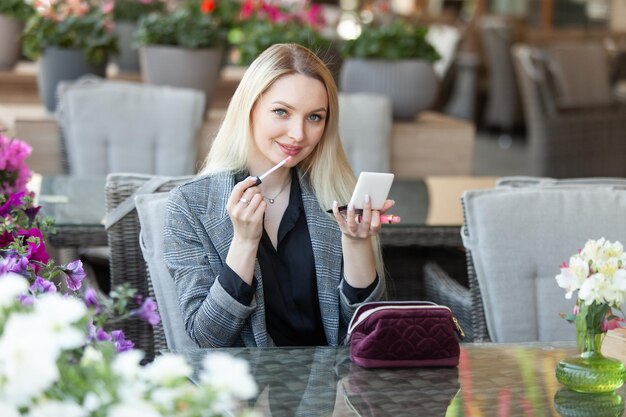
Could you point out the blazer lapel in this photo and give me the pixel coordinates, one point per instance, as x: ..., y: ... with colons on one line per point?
x: 328, y: 256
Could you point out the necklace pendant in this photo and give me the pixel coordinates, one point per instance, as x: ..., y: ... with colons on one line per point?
x: 271, y: 200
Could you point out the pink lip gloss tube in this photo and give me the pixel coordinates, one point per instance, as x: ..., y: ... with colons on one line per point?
x: 384, y: 219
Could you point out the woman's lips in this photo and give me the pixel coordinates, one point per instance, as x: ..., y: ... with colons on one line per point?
x: 290, y: 150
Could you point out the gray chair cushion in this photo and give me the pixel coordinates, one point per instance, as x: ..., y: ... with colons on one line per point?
x: 365, y: 123
x: 518, y: 237
x: 151, y: 211
x: 117, y: 126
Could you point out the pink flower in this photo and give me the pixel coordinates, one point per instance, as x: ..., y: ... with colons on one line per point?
x: 614, y: 323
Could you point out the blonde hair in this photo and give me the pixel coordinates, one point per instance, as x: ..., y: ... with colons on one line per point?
x: 326, y: 169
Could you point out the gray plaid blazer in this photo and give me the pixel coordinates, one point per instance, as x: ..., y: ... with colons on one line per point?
x: 198, y: 233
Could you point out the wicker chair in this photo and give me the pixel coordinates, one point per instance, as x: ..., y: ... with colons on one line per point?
x: 516, y: 236
x: 127, y: 262
x: 567, y: 142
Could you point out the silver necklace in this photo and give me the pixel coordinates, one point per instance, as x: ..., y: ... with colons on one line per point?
x: 271, y: 200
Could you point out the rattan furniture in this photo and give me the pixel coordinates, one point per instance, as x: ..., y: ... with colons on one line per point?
x: 126, y: 261
x: 566, y: 141
x: 516, y: 236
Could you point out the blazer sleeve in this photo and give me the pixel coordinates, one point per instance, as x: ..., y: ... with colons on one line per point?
x: 212, y: 317
x: 348, y: 308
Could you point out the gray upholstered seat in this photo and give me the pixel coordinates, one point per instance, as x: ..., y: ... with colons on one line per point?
x: 516, y: 236
x: 151, y: 211
x: 118, y: 126
x: 365, y: 123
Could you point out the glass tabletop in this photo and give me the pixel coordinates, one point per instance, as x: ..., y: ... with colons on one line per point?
x: 73, y: 201
x: 503, y: 380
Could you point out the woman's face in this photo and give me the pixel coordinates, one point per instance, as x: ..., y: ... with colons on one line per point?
x: 288, y: 120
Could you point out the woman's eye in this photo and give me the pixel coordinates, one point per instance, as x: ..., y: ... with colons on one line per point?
x: 316, y: 118
x: 280, y: 112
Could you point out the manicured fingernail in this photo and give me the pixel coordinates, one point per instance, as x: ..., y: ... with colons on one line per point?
x: 351, y: 207
x: 366, y: 198
x: 335, y: 204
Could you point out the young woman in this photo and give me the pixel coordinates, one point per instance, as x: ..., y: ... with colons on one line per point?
x: 263, y: 265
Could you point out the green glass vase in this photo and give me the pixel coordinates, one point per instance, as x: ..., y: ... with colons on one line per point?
x: 575, y: 404
x: 590, y: 371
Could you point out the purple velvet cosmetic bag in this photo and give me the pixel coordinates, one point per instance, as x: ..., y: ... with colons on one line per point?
x: 404, y: 334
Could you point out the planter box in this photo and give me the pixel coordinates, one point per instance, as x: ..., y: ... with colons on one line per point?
x: 410, y: 83
x: 182, y: 67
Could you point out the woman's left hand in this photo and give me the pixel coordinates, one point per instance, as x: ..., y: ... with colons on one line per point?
x: 361, y: 226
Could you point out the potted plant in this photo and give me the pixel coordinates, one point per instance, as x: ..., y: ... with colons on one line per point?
x: 185, y: 47
x: 263, y: 23
x: 13, y: 13
x: 394, y: 59
x: 126, y: 15
x: 72, y: 39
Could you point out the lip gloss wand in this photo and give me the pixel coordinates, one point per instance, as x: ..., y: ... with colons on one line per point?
x: 260, y: 179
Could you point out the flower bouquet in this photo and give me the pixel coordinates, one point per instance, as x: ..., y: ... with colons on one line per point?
x: 60, y: 354
x: 598, y: 273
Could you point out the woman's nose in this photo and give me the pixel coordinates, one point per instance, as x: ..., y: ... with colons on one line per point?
x: 296, y: 129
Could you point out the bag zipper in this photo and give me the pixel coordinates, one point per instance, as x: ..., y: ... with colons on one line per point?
x: 368, y: 313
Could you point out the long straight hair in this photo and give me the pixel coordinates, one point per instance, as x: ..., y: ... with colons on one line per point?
x: 326, y: 169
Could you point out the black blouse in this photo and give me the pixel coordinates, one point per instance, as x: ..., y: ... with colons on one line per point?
x: 292, y: 310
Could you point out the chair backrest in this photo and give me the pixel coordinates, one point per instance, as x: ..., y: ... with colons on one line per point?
x: 151, y: 211
x: 581, y: 74
x: 365, y: 123
x: 126, y: 262
x: 119, y: 126
x: 504, y: 108
x: 517, y: 236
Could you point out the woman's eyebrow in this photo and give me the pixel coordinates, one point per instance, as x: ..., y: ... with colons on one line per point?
x: 282, y: 103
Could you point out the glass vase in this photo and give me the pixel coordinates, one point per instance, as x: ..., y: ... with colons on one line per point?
x: 590, y: 371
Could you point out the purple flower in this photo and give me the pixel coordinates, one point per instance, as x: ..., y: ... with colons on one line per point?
x: 121, y: 344
x: 26, y: 300
x: 6, y: 239
x: 31, y: 213
x: 43, y: 285
x: 36, y: 247
x: 102, y: 336
x: 91, y: 299
x: 13, y: 262
x: 75, y: 275
x: 148, y: 312
x: 14, y: 200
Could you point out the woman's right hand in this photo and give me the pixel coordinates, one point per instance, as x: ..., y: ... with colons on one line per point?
x: 246, y: 208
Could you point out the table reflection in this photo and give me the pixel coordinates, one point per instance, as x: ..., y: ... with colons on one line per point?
x: 500, y: 380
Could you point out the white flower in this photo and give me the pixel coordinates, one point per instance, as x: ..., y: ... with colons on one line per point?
x: 595, y: 289
x: 167, y: 368
x: 61, y: 313
x: 133, y: 409
x: 91, y: 356
x: 228, y: 374
x: 127, y: 364
x: 568, y: 281
x: 57, y: 408
x: 8, y: 410
x: 11, y: 285
x: 28, y: 354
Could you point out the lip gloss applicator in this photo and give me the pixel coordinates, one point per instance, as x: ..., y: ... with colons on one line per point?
x: 259, y: 179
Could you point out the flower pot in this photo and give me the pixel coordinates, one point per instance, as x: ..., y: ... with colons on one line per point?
x: 590, y: 371
x: 10, y: 31
x: 128, y: 58
x: 60, y: 64
x: 410, y: 83
x: 182, y: 67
